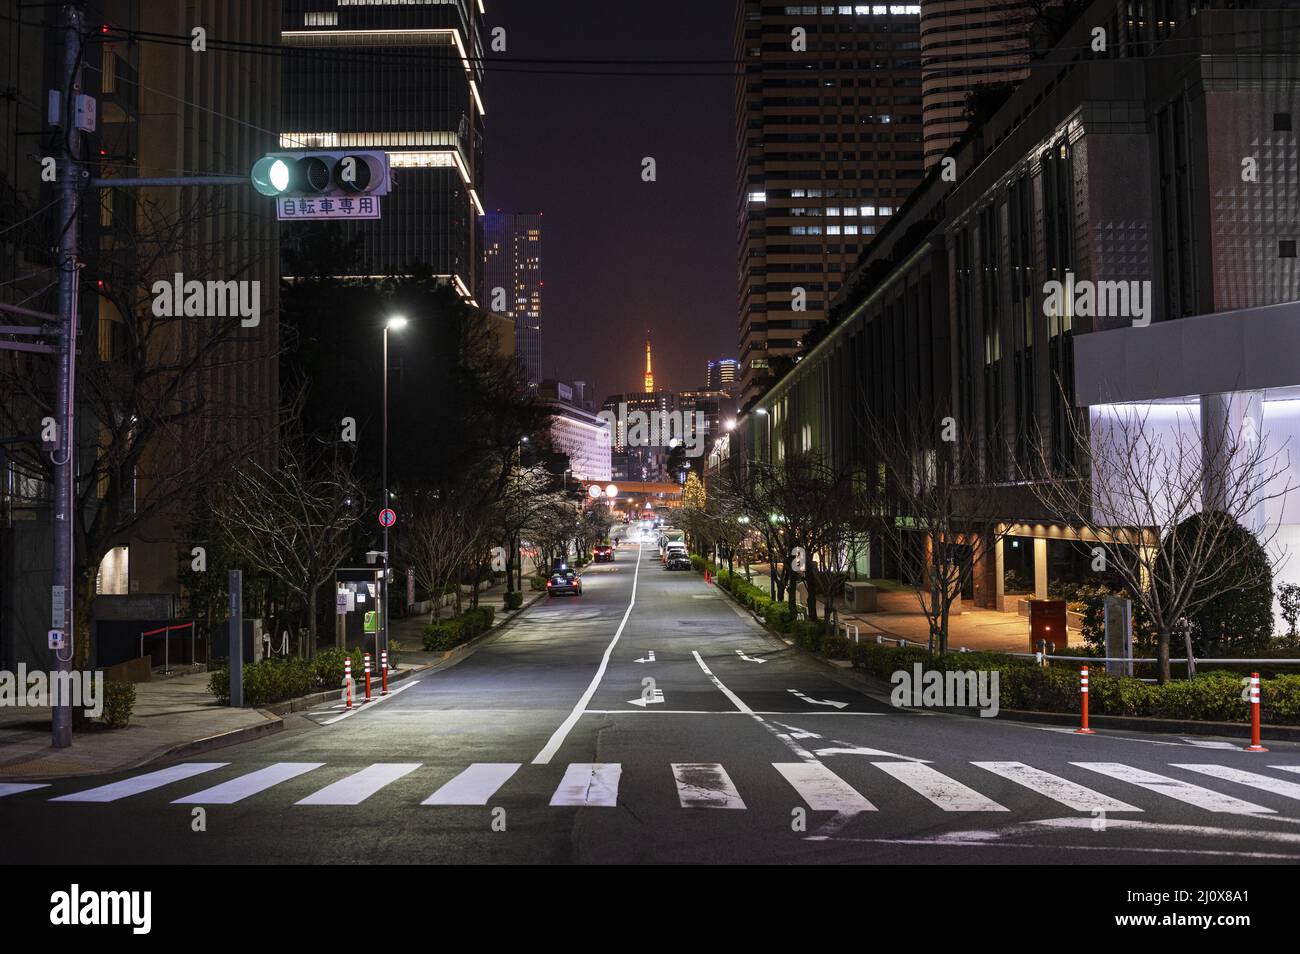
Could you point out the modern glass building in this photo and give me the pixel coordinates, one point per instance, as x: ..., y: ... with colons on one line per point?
x: 404, y: 77
x: 512, y: 282
x: 828, y: 145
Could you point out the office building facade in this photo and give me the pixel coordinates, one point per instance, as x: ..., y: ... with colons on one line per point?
x: 405, y: 78
x: 828, y: 145
x: 512, y: 282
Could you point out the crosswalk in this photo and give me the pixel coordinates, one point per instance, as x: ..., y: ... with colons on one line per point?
x: 896, y: 785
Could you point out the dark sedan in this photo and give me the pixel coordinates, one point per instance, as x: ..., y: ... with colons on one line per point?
x: 564, y: 582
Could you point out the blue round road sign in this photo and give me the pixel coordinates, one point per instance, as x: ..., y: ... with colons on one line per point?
x: 387, y: 517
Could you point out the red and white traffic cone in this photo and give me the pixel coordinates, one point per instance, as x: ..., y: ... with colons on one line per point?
x: 1083, y: 702
x: 1254, y: 715
x: 367, y: 664
x: 347, y: 679
x: 383, y: 672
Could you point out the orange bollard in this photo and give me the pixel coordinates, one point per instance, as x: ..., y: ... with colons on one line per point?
x: 383, y: 672
x: 347, y: 679
x: 1254, y: 715
x: 1083, y: 700
x: 367, y: 665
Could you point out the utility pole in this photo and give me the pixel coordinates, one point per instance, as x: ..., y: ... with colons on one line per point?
x: 64, y: 454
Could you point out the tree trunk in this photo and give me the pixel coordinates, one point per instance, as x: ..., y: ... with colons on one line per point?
x: 311, y: 621
x: 1162, y: 656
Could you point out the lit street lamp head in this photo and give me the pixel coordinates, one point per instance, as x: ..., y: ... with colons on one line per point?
x: 397, y: 323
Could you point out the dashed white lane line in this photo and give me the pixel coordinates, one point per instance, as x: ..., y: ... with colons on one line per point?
x: 15, y: 788
x: 557, y: 738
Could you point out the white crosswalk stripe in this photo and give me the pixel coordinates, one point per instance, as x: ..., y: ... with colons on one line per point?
x: 1058, y: 789
x: 141, y: 783
x: 709, y: 785
x: 589, y: 784
x: 475, y: 785
x: 822, y: 789
x: 1263, y: 782
x: 948, y: 793
x: 14, y: 788
x: 1205, y: 798
x: 705, y: 785
x: 238, y: 789
x: 359, y: 786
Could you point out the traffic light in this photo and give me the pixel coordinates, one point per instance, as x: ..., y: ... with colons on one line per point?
x: 309, y: 173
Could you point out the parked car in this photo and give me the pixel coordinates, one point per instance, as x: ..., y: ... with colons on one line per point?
x: 603, y: 553
x: 675, y: 550
x: 677, y: 559
x: 564, y: 581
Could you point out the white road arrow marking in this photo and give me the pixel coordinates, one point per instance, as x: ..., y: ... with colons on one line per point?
x: 741, y: 654
x: 848, y: 748
x: 656, y: 699
x: 797, y: 733
x: 648, y: 657
x: 816, y: 702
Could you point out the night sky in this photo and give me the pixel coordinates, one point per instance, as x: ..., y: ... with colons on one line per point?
x: 621, y: 255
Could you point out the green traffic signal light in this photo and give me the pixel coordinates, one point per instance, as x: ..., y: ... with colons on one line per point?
x: 272, y: 175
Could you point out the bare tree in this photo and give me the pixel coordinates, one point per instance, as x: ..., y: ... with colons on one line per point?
x: 1145, y: 482
x: 443, y: 537
x: 936, y: 527
x: 291, y: 523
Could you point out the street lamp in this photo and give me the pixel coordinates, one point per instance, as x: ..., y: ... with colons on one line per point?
x: 771, y: 563
x: 394, y: 323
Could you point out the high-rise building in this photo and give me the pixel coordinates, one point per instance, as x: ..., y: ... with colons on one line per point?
x: 512, y: 282
x: 404, y: 77
x: 828, y: 145
x: 723, y: 375
x: 966, y: 44
x: 575, y: 431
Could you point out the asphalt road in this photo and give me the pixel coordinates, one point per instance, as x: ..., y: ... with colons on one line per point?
x: 651, y: 721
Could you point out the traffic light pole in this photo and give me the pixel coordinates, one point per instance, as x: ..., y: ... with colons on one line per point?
x: 64, y: 455
x: 382, y: 636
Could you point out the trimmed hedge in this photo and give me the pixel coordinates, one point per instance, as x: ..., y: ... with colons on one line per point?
x: 536, y: 583
x: 1210, y: 697
x: 448, y: 634
x: 513, y: 599
x: 277, y: 680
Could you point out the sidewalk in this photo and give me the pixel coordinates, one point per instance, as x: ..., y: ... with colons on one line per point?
x: 408, y: 633
x: 975, y: 629
x: 169, y: 713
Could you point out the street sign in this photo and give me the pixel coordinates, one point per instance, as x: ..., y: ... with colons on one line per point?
x: 289, y: 208
x: 387, y: 517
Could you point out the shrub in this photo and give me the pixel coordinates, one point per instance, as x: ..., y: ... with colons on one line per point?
x: 835, y: 646
x: 448, y: 634
x: 808, y: 633
x: 513, y: 599
x: 119, y: 701
x: 779, y: 616
x: 536, y: 583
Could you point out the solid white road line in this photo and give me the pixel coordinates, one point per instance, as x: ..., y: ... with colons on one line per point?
x: 237, y: 789
x: 822, y: 789
x: 1253, y: 779
x: 13, y: 788
x: 557, y: 739
x: 1205, y: 798
x: 141, y: 783
x: 948, y: 793
x: 588, y: 784
x: 1287, y: 768
x: 1058, y: 789
x: 735, y: 699
x: 359, y: 786
x: 475, y: 785
x: 705, y: 785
